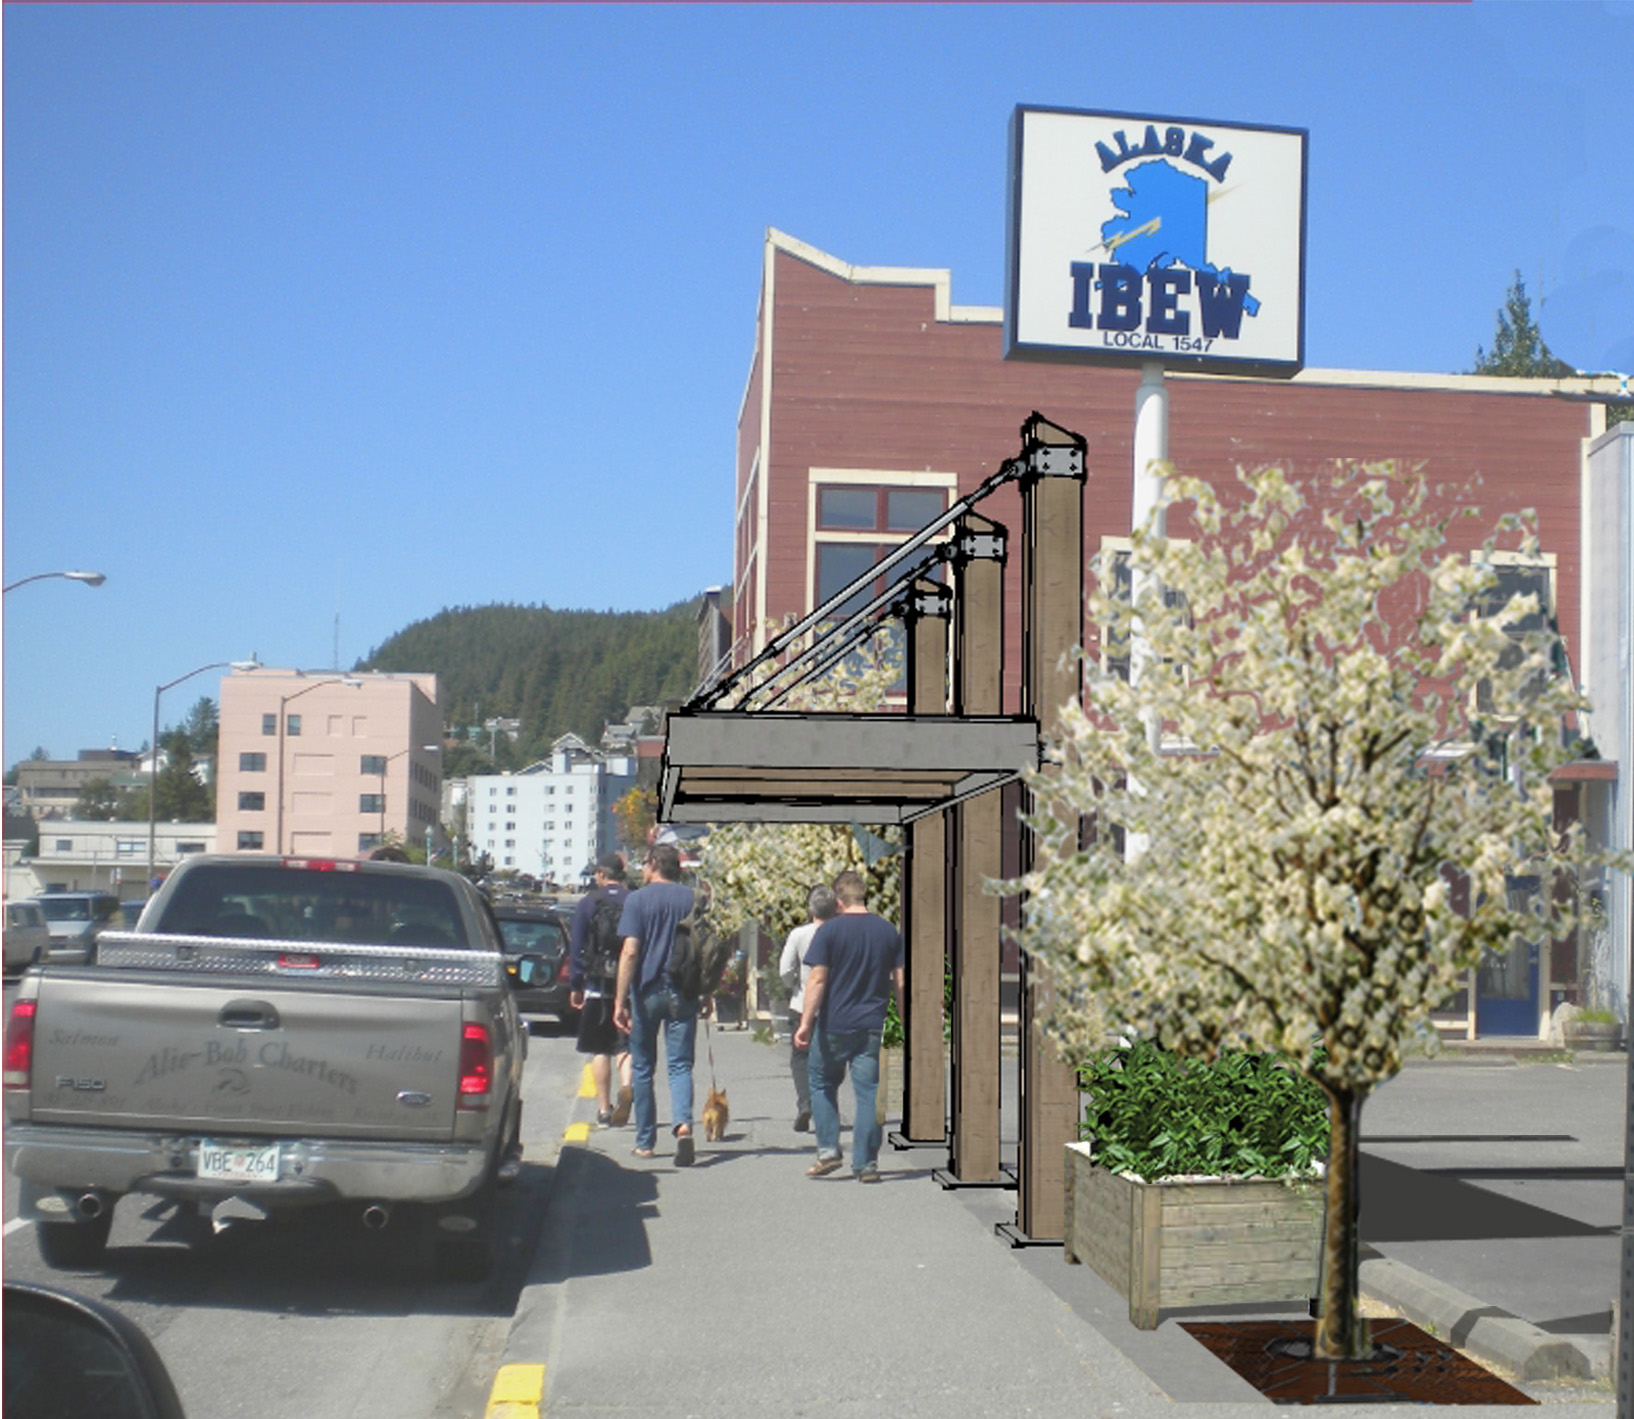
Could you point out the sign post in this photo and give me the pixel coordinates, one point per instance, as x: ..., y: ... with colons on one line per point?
x: 1158, y: 244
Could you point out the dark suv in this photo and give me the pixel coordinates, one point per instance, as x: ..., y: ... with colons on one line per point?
x: 538, y: 931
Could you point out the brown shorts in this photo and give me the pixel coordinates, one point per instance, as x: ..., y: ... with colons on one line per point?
x: 597, y: 1033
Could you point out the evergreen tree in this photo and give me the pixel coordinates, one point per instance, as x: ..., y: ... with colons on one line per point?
x: 179, y: 797
x: 1518, y: 349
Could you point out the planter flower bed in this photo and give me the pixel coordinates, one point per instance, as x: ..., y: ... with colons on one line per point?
x: 1176, y: 1237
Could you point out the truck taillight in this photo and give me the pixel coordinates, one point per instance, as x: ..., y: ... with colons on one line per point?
x: 476, y: 1066
x: 20, y: 1044
x: 566, y: 971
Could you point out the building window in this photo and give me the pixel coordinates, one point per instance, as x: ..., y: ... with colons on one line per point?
x: 292, y: 725
x: 252, y: 802
x: 368, y: 842
x: 1517, y: 575
x: 844, y: 508
x: 1114, y: 647
x: 183, y: 849
x: 269, y: 724
x: 372, y: 764
x: 371, y: 803
x: 510, y: 792
x: 252, y: 763
x: 130, y: 847
x: 251, y: 842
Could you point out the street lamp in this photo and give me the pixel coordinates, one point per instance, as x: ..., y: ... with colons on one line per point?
x: 385, y: 763
x: 89, y: 578
x: 153, y: 744
x: 351, y: 683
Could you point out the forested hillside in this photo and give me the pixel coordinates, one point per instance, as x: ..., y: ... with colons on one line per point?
x: 555, y: 671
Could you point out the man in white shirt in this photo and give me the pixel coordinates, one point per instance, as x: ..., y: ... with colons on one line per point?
x: 821, y: 904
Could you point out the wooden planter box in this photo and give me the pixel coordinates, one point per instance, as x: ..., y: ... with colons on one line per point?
x: 1214, y: 1241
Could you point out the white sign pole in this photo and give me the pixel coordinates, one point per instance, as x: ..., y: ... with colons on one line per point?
x: 1151, y: 454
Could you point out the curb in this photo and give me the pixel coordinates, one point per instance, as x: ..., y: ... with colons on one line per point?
x: 1488, y: 1333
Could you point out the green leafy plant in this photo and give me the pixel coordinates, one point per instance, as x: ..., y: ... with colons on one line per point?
x: 1156, y: 1115
x: 1597, y: 1017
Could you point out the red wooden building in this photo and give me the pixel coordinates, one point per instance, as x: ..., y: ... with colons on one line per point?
x: 872, y: 402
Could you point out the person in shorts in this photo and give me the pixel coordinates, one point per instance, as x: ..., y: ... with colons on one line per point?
x: 592, y: 977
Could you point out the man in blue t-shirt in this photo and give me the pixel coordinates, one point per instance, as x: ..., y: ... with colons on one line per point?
x: 855, y: 960
x: 646, y: 998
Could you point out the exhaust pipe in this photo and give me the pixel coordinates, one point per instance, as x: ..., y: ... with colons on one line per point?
x: 376, y: 1216
x: 90, y: 1206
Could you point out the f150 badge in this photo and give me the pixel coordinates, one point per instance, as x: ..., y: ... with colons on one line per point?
x: 84, y: 1086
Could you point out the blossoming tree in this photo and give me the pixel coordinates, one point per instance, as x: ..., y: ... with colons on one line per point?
x: 1310, y: 809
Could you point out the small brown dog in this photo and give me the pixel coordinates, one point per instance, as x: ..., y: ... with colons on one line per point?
x: 716, y: 1115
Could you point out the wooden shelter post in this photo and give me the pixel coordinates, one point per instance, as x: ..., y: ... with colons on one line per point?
x: 924, y: 896
x: 1052, y: 573
x: 976, y: 854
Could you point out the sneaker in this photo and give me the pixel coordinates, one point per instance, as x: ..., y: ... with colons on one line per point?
x: 823, y: 1167
x: 868, y: 1174
x: 802, y: 1121
x: 621, y: 1110
x: 685, y: 1150
x: 604, y: 1118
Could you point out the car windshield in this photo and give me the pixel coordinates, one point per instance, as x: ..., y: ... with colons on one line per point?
x: 293, y: 904
x: 524, y: 936
x: 66, y: 908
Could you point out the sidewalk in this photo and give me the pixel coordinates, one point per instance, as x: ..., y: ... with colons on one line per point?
x: 741, y: 1287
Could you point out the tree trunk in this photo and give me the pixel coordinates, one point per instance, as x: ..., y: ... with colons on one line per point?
x: 1341, y: 1333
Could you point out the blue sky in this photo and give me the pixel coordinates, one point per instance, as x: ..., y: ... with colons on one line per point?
x: 318, y: 311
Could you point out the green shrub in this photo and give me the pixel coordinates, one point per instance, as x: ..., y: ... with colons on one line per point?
x: 1155, y: 1115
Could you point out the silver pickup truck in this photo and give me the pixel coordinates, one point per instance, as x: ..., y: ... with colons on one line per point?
x: 276, y: 1033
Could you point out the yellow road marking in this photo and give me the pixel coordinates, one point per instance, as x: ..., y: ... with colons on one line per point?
x: 517, y: 1393
x: 577, y: 1133
x: 587, y: 1083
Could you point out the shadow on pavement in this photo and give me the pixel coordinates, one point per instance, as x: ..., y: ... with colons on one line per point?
x: 1403, y: 1204
x: 317, y: 1262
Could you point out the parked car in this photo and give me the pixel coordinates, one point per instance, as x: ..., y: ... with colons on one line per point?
x: 541, y: 932
x: 27, y: 937
x: 75, y: 919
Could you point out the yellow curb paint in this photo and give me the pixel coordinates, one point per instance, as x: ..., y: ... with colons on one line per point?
x: 577, y: 1133
x: 587, y: 1083
x: 517, y: 1393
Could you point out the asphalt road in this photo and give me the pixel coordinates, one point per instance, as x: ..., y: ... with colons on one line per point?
x: 317, y: 1318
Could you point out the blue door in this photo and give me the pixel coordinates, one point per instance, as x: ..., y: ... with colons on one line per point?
x: 1506, y: 992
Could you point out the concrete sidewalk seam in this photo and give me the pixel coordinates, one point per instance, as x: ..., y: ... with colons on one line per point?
x: 1487, y: 1333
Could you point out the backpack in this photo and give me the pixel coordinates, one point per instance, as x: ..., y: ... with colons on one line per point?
x: 602, y: 942
x: 699, y: 955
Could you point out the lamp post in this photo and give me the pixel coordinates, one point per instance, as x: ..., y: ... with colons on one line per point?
x: 89, y: 578
x: 153, y: 744
x: 385, y: 763
x: 351, y: 683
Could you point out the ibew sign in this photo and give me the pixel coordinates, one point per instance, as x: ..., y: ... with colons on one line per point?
x: 1137, y: 239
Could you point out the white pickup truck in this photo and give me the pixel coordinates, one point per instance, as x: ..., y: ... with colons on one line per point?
x: 276, y: 1033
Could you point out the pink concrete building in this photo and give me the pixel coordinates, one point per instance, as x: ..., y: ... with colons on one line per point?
x: 324, y: 764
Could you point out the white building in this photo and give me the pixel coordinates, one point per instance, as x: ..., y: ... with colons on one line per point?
x: 552, y: 819
x: 78, y: 855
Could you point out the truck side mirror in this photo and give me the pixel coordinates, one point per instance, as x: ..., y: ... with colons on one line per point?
x: 70, y: 1354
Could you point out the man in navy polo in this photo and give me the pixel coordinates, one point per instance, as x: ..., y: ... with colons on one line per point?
x: 855, y: 960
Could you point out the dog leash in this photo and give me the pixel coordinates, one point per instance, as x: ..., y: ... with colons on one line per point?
x: 709, y: 1045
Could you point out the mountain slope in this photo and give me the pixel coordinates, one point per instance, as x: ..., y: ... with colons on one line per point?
x: 556, y: 671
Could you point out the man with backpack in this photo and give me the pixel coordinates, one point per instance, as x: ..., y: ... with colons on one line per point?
x: 594, y: 949
x: 655, y: 918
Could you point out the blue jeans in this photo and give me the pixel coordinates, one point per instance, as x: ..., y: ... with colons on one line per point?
x: 831, y: 1054
x: 660, y: 1005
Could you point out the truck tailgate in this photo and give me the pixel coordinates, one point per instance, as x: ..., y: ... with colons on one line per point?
x: 245, y: 1056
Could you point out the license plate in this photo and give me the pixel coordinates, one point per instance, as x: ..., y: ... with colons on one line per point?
x: 238, y: 1162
